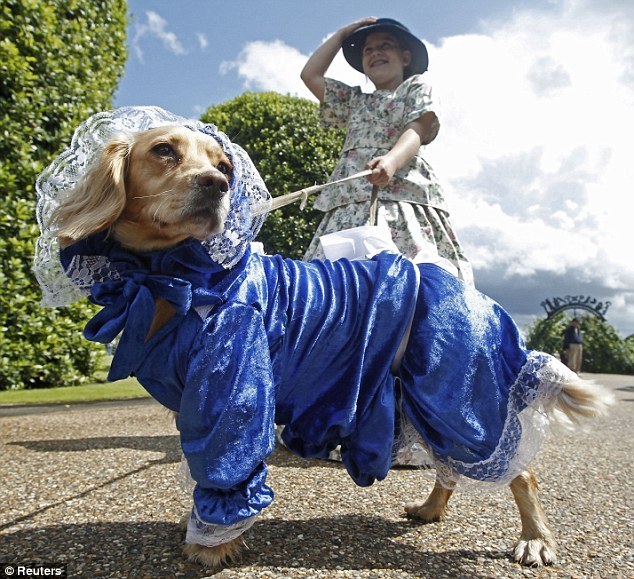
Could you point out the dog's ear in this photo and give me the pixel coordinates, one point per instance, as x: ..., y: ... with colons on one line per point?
x: 99, y: 197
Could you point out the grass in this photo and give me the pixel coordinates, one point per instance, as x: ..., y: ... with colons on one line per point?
x: 99, y: 390
x: 120, y: 390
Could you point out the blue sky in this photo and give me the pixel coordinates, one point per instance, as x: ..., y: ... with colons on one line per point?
x: 177, y: 64
x: 535, y: 98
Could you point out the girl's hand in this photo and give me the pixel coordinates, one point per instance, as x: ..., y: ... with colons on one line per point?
x: 422, y: 130
x: 350, y: 28
x: 316, y: 66
x: 383, y: 169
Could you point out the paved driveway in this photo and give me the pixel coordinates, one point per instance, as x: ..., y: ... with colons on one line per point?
x: 93, y: 486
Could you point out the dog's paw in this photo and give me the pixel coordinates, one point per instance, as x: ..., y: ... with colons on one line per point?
x: 535, y: 552
x: 214, y: 557
x: 427, y: 512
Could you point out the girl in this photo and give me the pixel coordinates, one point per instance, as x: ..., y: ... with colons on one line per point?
x: 386, y: 132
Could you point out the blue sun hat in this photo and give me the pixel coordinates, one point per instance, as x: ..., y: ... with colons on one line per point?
x: 353, y: 45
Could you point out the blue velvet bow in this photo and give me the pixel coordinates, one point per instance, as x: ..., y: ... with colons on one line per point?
x: 193, y: 279
x: 129, y: 308
x: 133, y: 296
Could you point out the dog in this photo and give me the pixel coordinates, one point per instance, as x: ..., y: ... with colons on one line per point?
x: 155, y: 190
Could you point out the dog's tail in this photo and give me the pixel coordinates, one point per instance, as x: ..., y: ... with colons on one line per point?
x: 581, y: 400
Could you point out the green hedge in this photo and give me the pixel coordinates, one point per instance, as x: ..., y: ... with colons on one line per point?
x: 60, y: 61
x: 604, y: 350
x: 291, y: 150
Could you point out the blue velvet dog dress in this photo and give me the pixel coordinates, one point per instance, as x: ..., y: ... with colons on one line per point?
x: 259, y: 340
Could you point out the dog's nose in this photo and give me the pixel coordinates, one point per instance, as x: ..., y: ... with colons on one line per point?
x: 213, y: 180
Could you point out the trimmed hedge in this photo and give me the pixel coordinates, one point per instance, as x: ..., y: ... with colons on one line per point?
x: 290, y: 149
x: 60, y: 62
x: 604, y: 350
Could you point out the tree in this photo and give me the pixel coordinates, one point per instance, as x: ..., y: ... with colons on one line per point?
x: 60, y: 62
x: 283, y: 137
x: 604, y: 350
x: 546, y: 335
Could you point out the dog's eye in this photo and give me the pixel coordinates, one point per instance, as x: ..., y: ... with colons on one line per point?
x: 165, y: 150
x: 224, y: 168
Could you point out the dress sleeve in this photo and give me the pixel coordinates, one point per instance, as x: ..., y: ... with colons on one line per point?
x: 335, y: 108
x: 418, y: 99
x: 226, y: 418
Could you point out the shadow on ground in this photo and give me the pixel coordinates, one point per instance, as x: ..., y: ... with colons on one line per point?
x: 154, y: 549
x: 168, y: 445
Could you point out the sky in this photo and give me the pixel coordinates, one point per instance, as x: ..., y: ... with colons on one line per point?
x: 535, y: 100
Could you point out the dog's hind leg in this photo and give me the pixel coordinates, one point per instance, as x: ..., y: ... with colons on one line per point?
x: 536, y: 545
x: 434, y: 508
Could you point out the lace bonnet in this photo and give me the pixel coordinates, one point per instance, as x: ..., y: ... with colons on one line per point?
x: 246, y: 215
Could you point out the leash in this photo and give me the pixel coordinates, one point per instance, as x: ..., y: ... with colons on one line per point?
x: 374, y: 204
x: 288, y: 198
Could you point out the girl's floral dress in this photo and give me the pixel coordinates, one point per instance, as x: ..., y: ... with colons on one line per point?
x: 413, y: 204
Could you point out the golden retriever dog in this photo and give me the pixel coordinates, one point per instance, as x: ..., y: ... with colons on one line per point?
x: 153, y: 189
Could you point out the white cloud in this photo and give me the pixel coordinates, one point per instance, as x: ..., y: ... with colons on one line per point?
x: 275, y: 66
x: 156, y: 26
x: 269, y: 66
x: 535, y: 147
x: 202, y: 40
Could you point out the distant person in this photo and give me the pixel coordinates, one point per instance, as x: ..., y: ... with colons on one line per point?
x: 386, y: 132
x: 573, y: 346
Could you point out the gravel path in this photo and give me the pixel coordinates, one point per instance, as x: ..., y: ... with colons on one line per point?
x: 93, y: 486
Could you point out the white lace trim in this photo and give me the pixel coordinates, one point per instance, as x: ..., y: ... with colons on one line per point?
x: 211, y: 535
x: 184, y: 476
x: 61, y: 288
x: 199, y: 532
x: 543, y: 377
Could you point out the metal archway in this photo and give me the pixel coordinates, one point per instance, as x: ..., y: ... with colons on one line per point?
x: 556, y: 305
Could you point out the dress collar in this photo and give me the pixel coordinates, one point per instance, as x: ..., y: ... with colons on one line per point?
x: 184, y: 275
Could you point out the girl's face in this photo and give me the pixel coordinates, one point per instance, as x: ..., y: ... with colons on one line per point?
x: 384, y: 60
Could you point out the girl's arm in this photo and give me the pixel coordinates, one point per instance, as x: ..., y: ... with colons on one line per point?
x: 422, y: 131
x: 315, y: 69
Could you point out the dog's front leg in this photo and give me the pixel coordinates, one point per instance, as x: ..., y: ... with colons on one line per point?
x: 536, y: 545
x: 213, y: 557
x: 434, y: 508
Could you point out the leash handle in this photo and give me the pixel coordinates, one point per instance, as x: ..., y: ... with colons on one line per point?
x: 374, y: 204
